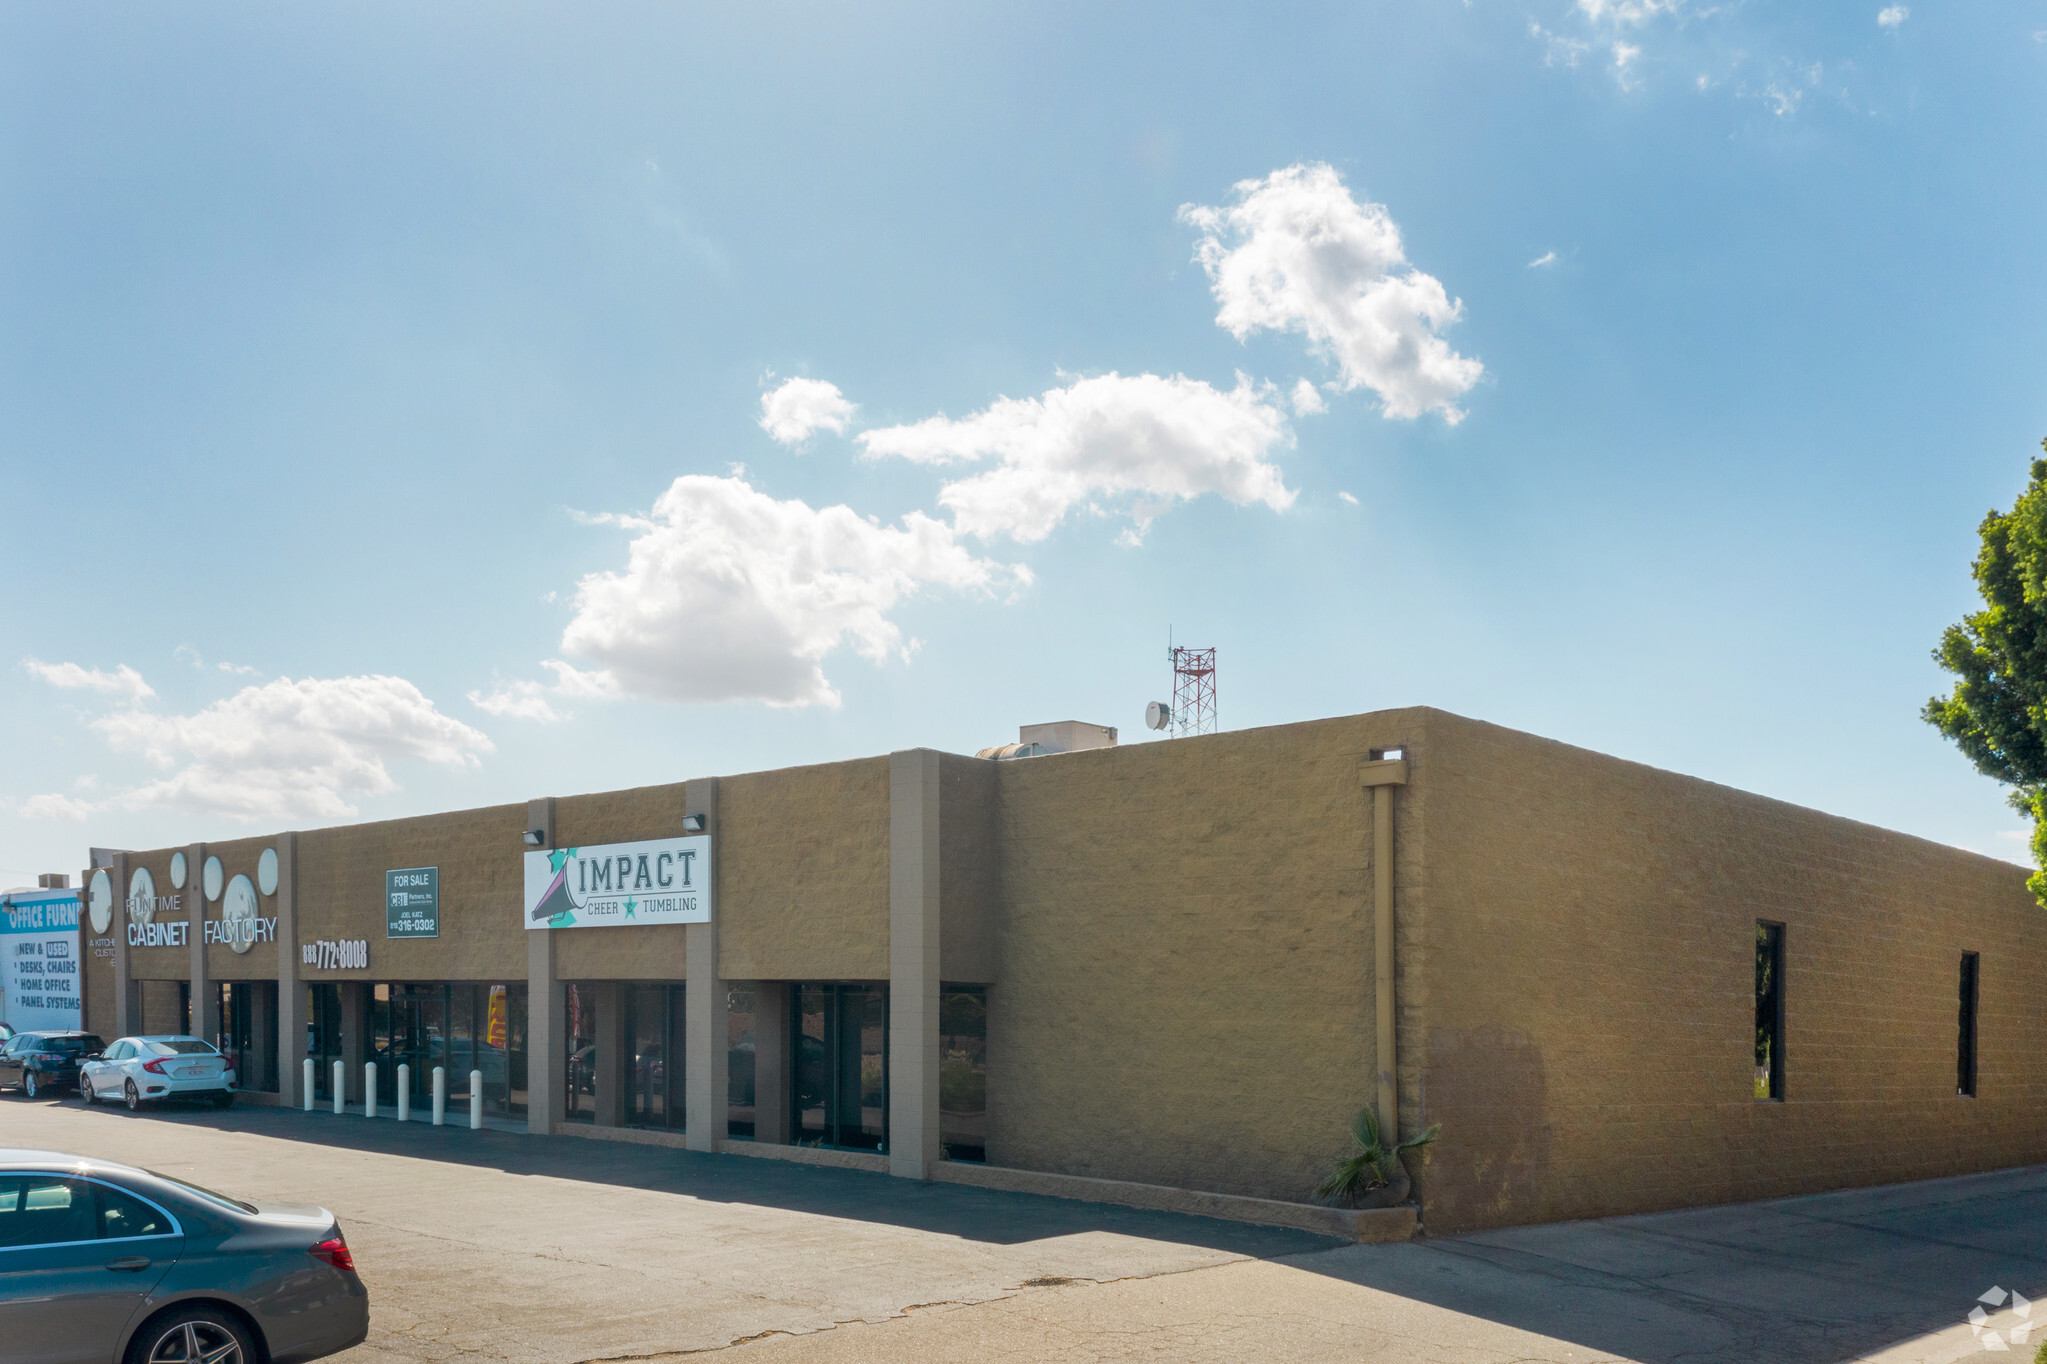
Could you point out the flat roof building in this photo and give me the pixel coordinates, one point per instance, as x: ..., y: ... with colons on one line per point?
x: 1183, y: 963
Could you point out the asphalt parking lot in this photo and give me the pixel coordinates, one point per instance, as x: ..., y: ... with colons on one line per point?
x: 493, y: 1245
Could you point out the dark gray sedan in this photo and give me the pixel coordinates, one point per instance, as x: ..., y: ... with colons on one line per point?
x: 113, y: 1265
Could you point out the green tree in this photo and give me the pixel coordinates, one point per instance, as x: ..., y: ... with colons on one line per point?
x: 1997, y: 713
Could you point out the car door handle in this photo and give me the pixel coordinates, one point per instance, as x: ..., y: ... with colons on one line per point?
x: 129, y: 1262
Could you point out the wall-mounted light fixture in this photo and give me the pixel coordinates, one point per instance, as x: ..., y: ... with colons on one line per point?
x: 692, y: 824
x: 535, y: 837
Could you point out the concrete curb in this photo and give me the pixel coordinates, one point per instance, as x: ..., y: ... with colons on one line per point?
x: 1371, y: 1225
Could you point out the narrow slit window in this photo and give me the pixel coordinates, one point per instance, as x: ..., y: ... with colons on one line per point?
x: 1769, y: 1011
x: 1965, y: 1041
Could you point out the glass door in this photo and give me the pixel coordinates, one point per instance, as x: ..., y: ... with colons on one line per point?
x: 840, y: 1070
x: 412, y: 1031
x: 323, y: 1036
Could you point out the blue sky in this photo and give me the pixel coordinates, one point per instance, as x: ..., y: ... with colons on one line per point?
x: 353, y: 354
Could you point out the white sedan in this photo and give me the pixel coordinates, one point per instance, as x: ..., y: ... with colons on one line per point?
x: 136, y: 1070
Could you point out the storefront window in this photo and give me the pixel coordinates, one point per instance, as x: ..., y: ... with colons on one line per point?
x: 323, y: 1036
x: 840, y: 1070
x: 963, y: 1071
x: 739, y: 1040
x: 580, y: 1036
x: 654, y: 1028
x: 248, y: 1022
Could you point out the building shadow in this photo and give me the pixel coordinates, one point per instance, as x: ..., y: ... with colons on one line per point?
x: 1811, y: 1280
x: 960, y: 1210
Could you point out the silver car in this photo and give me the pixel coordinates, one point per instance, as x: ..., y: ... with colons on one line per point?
x: 139, y: 1070
x: 114, y: 1265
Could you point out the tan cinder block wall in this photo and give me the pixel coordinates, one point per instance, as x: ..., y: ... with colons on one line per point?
x: 804, y: 873
x: 479, y: 853
x: 642, y: 952
x: 157, y: 963
x: 98, y: 976
x: 237, y: 858
x: 1184, y: 987
x: 1589, y: 1040
x: 969, y: 887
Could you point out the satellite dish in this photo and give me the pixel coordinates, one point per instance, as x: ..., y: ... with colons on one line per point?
x: 1158, y: 715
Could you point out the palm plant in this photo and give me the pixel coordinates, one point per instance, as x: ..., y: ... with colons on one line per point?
x: 1373, y: 1165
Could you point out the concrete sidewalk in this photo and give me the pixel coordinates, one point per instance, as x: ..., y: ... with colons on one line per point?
x: 505, y: 1246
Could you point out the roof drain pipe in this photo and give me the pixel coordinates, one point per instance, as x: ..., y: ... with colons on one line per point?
x: 1386, y: 770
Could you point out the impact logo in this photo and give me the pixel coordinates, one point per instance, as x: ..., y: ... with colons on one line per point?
x: 2016, y: 1333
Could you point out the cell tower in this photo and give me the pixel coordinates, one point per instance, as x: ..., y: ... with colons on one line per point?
x: 1193, y: 690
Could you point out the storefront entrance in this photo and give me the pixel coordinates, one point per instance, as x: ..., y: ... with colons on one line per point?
x: 248, y: 1022
x: 463, y: 1026
x: 841, y: 1065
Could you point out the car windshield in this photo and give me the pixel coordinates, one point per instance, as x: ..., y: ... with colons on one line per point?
x: 69, y: 1046
x: 182, y: 1046
x: 208, y: 1194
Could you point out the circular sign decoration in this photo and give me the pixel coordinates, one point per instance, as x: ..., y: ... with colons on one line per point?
x: 238, y: 914
x: 210, y: 878
x: 177, y: 871
x: 266, y: 872
x: 142, y: 897
x: 101, y: 904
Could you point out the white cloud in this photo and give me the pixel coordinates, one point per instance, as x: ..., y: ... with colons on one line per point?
x: 123, y: 682
x: 1297, y: 253
x: 1783, y: 100
x: 1625, y: 55
x: 528, y: 700
x: 1308, y: 399
x: 1546, y: 258
x: 1890, y: 16
x: 1130, y: 445
x: 54, y: 807
x: 1347, y: 497
x: 237, y: 669
x: 731, y: 595
x: 519, y: 701
x: 283, y: 749
x: 1558, y: 50
x: 797, y: 408
x: 1626, y: 13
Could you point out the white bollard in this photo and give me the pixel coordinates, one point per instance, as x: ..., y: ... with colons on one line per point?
x: 476, y: 1101
x: 340, y: 1088
x: 404, y: 1092
x: 440, y: 1095
x: 309, y: 1084
x: 369, y: 1089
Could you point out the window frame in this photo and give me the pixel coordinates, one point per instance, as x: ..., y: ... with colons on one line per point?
x: 1775, y: 933
x: 1969, y: 1025
x: 177, y: 1227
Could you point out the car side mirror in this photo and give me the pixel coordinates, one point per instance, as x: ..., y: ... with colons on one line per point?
x: 92, y: 1056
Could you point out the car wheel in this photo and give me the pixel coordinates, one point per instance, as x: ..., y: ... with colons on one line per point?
x: 224, y: 1099
x: 85, y: 1090
x: 29, y: 1087
x: 132, y: 1095
x: 193, y: 1335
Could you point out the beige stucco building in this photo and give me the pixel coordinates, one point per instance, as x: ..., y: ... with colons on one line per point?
x: 1159, y: 964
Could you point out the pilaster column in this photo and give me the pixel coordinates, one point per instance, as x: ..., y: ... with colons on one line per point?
x: 291, y: 995
x: 546, y: 1064
x: 913, y: 1144
x: 707, y: 1059
x: 127, y: 999
x: 205, y: 999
